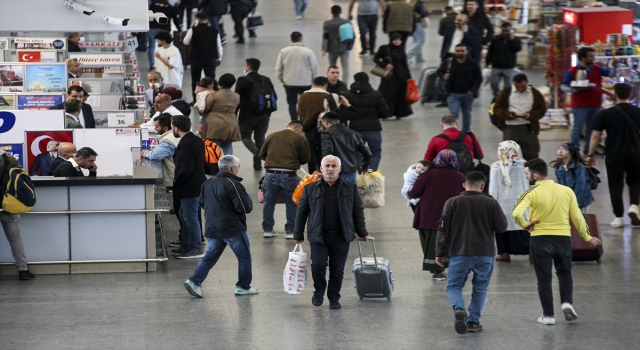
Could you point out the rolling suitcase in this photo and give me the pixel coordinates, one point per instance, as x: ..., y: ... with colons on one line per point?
x: 372, y: 275
x: 184, y: 49
x: 428, y: 85
x: 583, y: 251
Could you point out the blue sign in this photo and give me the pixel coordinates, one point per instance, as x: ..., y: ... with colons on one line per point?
x: 37, y: 102
x: 14, y: 150
x: 8, y: 120
x: 58, y: 44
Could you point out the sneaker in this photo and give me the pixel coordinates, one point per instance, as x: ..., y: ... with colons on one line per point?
x: 461, y: 321
x: 634, y: 214
x: 179, y: 251
x: 548, y: 320
x: 474, y: 327
x: 152, y: 68
x: 569, y: 313
x: 298, y: 17
x: 317, y: 299
x: 252, y: 34
x: 618, y: 222
x: 288, y: 235
x: 439, y: 277
x: 363, y: 52
x: 191, y: 254
x: 334, y: 304
x: 25, y: 275
x: 269, y: 234
x: 193, y: 289
x: 250, y: 291
x: 223, y: 41
x: 175, y: 243
x: 503, y: 257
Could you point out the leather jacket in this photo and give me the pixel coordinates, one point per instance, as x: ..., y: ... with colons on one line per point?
x: 344, y: 143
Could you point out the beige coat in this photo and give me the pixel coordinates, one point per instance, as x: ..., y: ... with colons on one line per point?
x: 220, y: 109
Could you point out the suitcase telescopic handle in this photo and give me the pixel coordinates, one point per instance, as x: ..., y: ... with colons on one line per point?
x: 375, y: 255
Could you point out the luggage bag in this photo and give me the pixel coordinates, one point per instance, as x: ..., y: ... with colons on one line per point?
x: 428, y: 85
x: 584, y: 251
x: 372, y: 275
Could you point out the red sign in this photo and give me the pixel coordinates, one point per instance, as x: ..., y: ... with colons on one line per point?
x: 37, y: 142
x: 570, y: 18
x: 29, y: 56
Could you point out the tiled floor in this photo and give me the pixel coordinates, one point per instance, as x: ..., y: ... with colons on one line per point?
x: 153, y: 311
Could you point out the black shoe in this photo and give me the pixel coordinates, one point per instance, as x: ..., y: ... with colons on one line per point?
x: 25, y: 275
x: 461, y: 321
x: 252, y: 34
x: 257, y: 162
x: 474, y: 327
x: 442, y: 104
x: 175, y: 244
x: 240, y: 41
x: 235, y: 35
x: 334, y: 304
x: 317, y: 299
x: 363, y: 52
x: 179, y: 251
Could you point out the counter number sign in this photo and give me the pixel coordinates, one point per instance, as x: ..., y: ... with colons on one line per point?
x: 131, y: 44
x: 120, y: 120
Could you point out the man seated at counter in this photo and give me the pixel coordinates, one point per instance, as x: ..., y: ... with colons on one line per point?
x: 162, y: 104
x: 86, y: 112
x: 72, y: 68
x: 66, y: 150
x: 167, y: 143
x: 84, y: 159
x: 43, y: 161
x: 72, y: 109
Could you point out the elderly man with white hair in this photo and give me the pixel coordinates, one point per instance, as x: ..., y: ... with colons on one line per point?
x: 43, y: 160
x: 226, y: 204
x: 335, y: 216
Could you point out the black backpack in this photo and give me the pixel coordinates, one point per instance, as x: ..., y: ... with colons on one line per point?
x: 465, y: 160
x: 263, y: 98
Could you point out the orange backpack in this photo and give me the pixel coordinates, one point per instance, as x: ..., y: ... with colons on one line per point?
x: 212, y: 153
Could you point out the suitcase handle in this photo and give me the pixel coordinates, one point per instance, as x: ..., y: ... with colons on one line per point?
x: 375, y: 256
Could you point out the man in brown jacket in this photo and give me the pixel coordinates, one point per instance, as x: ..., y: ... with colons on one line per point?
x: 312, y: 101
x: 519, y: 109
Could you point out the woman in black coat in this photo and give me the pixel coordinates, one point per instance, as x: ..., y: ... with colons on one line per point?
x: 392, y: 56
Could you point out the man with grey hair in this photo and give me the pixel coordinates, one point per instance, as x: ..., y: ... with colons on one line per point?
x: 72, y: 68
x: 226, y: 204
x: 162, y: 104
x: 335, y: 216
x: 156, y: 86
x: 44, y: 160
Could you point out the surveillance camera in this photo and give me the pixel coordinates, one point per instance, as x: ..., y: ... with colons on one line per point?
x: 115, y: 20
x: 72, y: 4
x: 159, y: 17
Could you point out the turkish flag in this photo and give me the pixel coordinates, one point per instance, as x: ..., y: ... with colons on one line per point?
x: 28, y: 56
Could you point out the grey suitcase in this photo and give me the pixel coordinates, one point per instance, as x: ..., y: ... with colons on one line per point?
x: 372, y: 275
x: 428, y: 85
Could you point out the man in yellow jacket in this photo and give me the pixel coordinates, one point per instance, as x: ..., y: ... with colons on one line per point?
x: 551, y: 205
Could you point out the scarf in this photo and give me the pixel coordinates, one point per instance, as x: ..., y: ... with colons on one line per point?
x: 446, y: 159
x: 508, y: 151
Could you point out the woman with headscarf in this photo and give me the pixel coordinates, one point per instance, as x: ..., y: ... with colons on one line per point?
x: 441, y: 182
x: 220, y: 123
x: 394, y: 89
x: 507, y: 183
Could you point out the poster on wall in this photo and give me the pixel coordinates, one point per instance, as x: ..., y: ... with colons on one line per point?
x: 41, y: 148
x: 39, y: 43
x: 7, y: 102
x: 38, y: 102
x: 14, y: 150
x: 46, y: 77
x: 11, y: 77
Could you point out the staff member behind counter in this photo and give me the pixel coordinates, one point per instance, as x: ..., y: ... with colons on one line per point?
x: 84, y: 159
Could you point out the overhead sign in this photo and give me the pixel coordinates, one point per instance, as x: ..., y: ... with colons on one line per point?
x: 29, y: 56
x: 120, y: 120
x: 101, y: 44
x: 97, y: 58
x: 39, y: 43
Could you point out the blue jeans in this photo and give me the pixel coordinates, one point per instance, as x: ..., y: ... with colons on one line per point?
x: 191, y: 229
x: 459, y: 269
x: 241, y: 248
x: 300, y: 6
x: 462, y: 102
x: 272, y: 186
x: 152, y: 46
x: 374, y: 141
x: 582, y: 116
x: 351, y: 177
x: 225, y: 145
x: 215, y: 23
x: 419, y: 37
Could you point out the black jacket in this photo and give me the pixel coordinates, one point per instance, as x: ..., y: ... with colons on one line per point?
x: 54, y: 165
x: 66, y: 169
x: 467, y: 75
x: 372, y: 105
x: 311, y: 207
x: 240, y: 8
x: 226, y: 205
x: 471, y: 38
x: 480, y: 22
x: 73, y: 47
x: 214, y: 7
x: 345, y: 144
x: 340, y: 88
x: 189, y: 162
x: 182, y: 106
x: 87, y: 113
x: 503, y: 52
x: 204, y: 43
x: 243, y: 88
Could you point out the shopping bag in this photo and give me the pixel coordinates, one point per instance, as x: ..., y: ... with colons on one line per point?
x: 261, y: 194
x: 297, y: 193
x: 371, y: 187
x: 254, y: 21
x: 294, y: 276
x: 413, y: 92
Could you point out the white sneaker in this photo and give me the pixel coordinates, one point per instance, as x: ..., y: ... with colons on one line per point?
x: 569, y: 313
x: 298, y: 17
x: 618, y: 222
x: 634, y: 214
x: 288, y: 235
x: 270, y: 234
x: 548, y: 320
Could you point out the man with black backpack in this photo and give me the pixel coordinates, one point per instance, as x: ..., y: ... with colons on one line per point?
x: 465, y: 144
x: 257, y: 102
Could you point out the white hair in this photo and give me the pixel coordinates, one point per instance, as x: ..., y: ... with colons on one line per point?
x: 226, y: 162
x: 51, y: 145
x: 330, y: 157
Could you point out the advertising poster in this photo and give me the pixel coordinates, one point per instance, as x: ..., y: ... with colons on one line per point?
x: 7, y: 102
x: 11, y: 77
x: 39, y: 145
x: 14, y: 150
x: 39, y: 43
x: 102, y: 58
x: 46, y: 78
x: 38, y: 102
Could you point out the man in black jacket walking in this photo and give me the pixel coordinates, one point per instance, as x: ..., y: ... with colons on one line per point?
x: 189, y: 177
x: 336, y: 215
x: 462, y: 84
x: 226, y: 205
x: 344, y: 143
x: 501, y: 56
x: 479, y: 20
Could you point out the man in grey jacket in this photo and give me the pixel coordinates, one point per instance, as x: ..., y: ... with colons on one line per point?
x: 296, y: 67
x: 331, y: 42
x: 466, y: 237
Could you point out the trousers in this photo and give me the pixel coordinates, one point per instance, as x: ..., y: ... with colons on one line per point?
x: 11, y: 227
x: 528, y: 141
x: 506, y: 74
x: 617, y: 165
x: 292, y: 99
x: 547, y: 251
x: 344, y: 61
x: 368, y: 23
x: 333, y: 255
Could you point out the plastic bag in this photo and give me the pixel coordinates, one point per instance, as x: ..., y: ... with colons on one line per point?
x: 297, y: 193
x: 413, y: 92
x: 294, y: 276
x: 371, y: 187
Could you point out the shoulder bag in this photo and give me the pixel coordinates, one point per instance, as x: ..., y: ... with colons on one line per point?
x: 383, y: 72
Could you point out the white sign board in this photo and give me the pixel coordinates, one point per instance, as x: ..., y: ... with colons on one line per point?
x: 114, y: 151
x: 39, y: 43
x: 13, y: 124
x: 131, y: 44
x: 97, y: 58
x: 99, y: 44
x: 120, y: 120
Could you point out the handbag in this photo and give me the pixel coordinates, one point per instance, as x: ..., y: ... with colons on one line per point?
x: 254, y: 21
x: 383, y: 72
x: 413, y: 92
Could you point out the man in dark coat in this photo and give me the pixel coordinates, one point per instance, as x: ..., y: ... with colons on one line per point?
x: 86, y: 117
x: 335, y: 216
x: 344, y: 143
x: 461, y: 33
x: 84, y: 159
x: 66, y: 150
x: 215, y: 9
x: 479, y: 20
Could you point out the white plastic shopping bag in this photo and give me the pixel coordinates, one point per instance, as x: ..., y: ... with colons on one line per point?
x: 295, y: 273
x: 371, y: 187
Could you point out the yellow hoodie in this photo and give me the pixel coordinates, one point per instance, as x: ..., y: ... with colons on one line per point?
x: 551, y: 206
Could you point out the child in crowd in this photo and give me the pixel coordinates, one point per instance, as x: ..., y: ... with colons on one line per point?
x: 410, y: 178
x: 203, y: 89
x: 571, y: 172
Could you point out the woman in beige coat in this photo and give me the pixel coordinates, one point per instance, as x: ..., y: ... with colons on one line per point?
x: 221, y: 125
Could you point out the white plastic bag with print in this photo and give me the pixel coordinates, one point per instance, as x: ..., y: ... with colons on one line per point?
x: 371, y: 187
x: 295, y: 273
